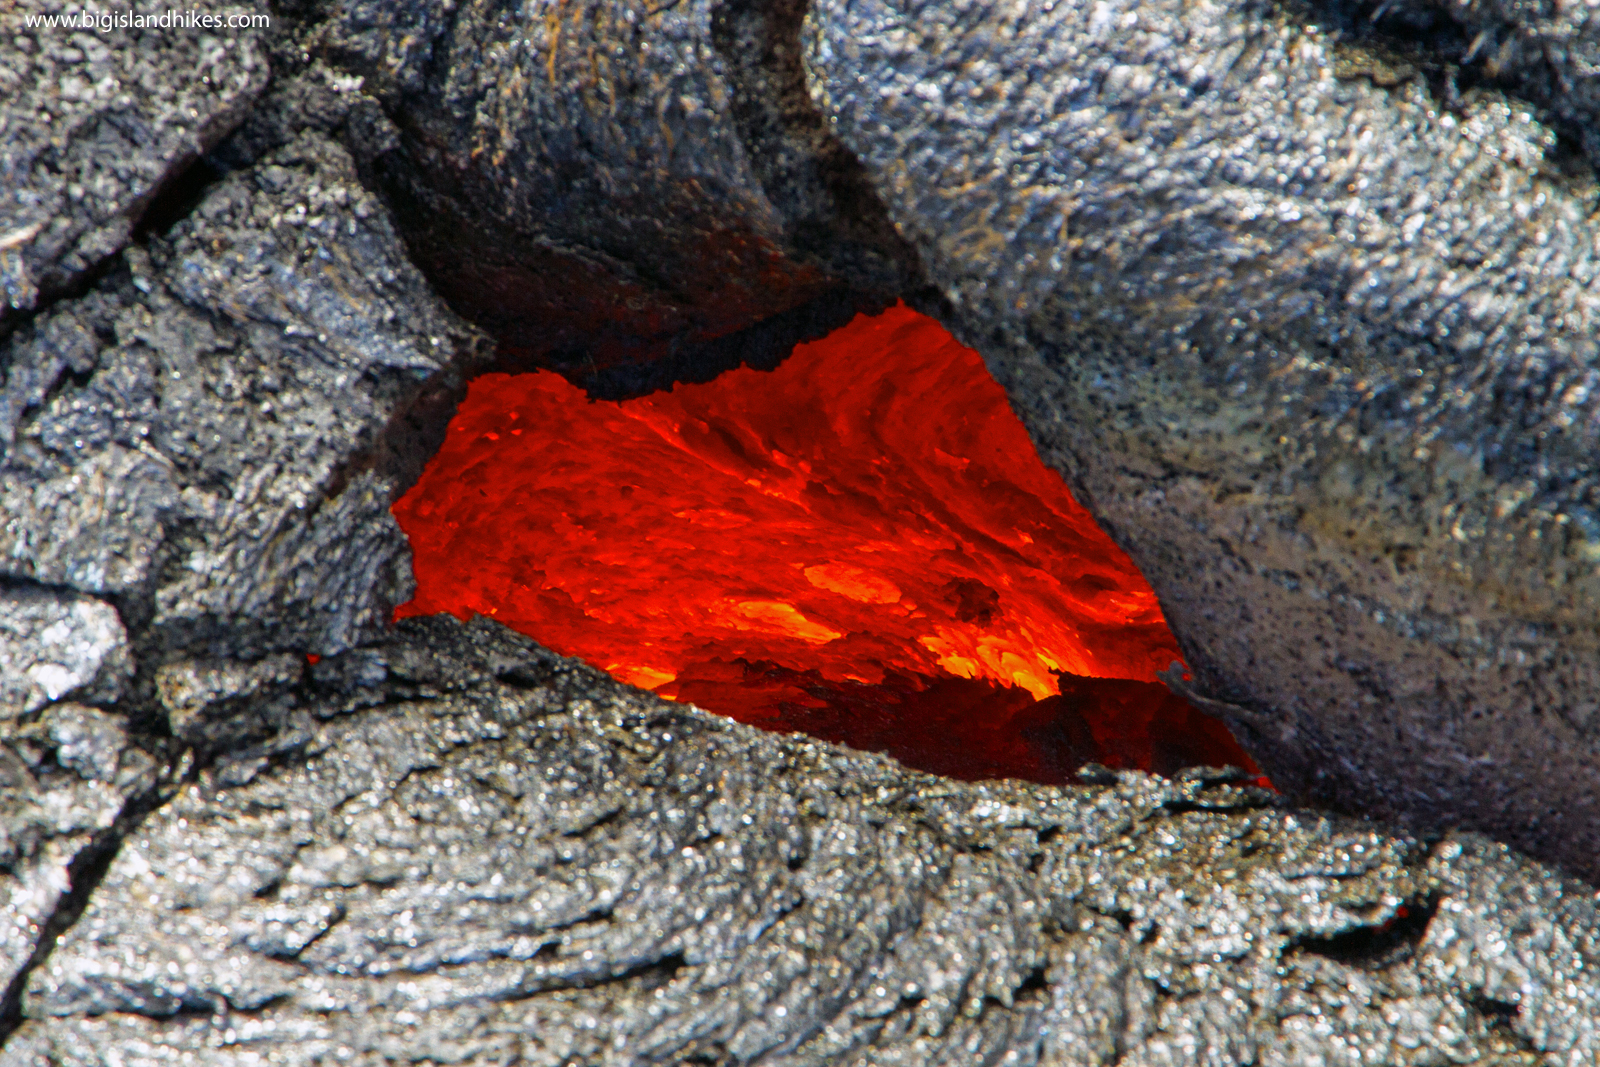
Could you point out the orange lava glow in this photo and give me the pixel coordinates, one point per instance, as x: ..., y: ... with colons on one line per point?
x: 862, y: 544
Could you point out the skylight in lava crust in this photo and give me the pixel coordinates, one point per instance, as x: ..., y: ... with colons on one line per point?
x: 862, y: 544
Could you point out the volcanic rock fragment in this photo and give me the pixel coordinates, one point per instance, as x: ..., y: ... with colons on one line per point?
x: 54, y: 645
x: 65, y: 780
x: 216, y: 432
x: 216, y: 704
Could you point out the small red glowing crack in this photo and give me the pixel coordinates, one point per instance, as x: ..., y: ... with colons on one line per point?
x: 838, y: 545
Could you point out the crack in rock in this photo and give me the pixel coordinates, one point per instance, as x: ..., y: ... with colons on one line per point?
x: 72, y: 786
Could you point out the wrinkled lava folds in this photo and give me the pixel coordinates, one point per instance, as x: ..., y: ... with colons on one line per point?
x: 861, y: 544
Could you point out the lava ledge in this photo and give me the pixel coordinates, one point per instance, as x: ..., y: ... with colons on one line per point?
x: 1320, y: 355
x: 619, y: 191
x: 467, y: 849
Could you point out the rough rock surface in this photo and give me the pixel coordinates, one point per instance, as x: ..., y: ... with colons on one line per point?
x: 466, y: 849
x: 1321, y: 355
x: 448, y: 845
x: 603, y: 185
x: 1548, y: 54
x: 93, y: 125
x: 55, y: 645
x: 215, y: 434
x: 68, y: 780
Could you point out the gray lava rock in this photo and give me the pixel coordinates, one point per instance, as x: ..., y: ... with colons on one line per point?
x: 54, y: 645
x: 482, y: 853
x: 215, y: 704
x: 604, y: 186
x: 1320, y: 355
x: 251, y: 394
x: 94, y: 123
x: 1549, y: 53
x: 65, y: 781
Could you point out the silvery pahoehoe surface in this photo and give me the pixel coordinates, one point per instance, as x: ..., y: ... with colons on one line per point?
x: 466, y: 849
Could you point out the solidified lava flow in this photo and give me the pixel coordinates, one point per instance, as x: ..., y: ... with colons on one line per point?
x: 861, y: 544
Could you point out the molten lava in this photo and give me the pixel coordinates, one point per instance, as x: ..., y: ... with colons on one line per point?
x: 861, y: 544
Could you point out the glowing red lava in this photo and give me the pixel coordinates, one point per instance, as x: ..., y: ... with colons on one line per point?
x: 862, y: 544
